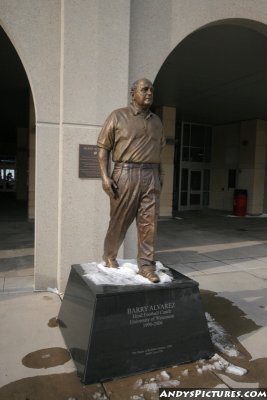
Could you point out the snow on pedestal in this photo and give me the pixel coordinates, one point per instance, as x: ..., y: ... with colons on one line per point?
x: 126, y: 274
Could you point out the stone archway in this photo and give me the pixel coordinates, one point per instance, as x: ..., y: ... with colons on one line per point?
x: 217, y: 76
x: 17, y: 167
x: 18, y: 119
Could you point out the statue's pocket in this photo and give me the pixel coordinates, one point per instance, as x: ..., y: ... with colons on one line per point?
x: 116, y: 174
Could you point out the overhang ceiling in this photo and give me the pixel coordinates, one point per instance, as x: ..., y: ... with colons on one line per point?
x: 12, y: 73
x: 217, y: 75
x: 14, y: 91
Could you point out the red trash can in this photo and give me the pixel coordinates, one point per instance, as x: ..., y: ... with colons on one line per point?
x: 240, y: 202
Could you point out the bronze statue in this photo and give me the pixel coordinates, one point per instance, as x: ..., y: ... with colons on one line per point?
x: 134, y: 136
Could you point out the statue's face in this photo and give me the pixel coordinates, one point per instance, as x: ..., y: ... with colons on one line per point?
x: 143, y: 94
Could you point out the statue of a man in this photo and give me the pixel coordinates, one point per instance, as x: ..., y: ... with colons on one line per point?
x: 134, y: 136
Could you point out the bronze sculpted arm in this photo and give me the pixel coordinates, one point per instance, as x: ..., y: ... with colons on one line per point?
x: 108, y: 184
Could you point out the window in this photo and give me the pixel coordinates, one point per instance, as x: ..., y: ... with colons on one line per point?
x: 196, y: 143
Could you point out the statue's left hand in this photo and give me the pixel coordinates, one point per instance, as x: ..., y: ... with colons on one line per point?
x: 109, y: 187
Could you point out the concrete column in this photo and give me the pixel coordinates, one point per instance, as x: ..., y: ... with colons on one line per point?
x: 259, y: 168
x: 252, y: 163
x: 31, y: 179
x: 168, y: 121
x: 47, y: 220
x: 94, y: 82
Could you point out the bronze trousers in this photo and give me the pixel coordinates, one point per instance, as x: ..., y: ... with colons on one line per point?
x: 137, y: 198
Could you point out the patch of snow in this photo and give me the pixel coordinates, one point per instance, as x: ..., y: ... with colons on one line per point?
x: 165, y: 375
x: 219, y: 337
x: 126, y: 274
x: 54, y: 290
x: 233, y: 369
x: 138, y: 383
x: 257, y: 216
x: 170, y: 383
x: 185, y: 372
x: 151, y: 387
x: 248, y: 216
x: 220, y: 364
x: 162, y: 380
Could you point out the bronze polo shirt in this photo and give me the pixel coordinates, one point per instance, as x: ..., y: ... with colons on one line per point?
x: 132, y: 136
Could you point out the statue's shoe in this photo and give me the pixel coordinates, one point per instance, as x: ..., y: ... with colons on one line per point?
x: 150, y: 274
x: 111, y: 263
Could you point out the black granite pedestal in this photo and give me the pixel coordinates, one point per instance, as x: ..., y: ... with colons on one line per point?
x: 113, y: 331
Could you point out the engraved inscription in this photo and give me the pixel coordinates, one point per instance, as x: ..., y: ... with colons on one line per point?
x: 149, y: 316
x: 152, y: 350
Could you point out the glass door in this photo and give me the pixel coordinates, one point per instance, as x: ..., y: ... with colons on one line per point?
x: 191, y: 189
x: 195, y: 186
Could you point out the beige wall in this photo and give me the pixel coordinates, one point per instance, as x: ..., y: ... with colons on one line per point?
x: 240, y: 146
x: 225, y: 154
x: 80, y: 56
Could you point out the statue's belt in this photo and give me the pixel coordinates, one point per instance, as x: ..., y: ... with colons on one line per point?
x: 130, y: 165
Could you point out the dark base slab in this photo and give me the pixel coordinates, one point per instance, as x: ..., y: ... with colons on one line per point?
x: 114, y: 331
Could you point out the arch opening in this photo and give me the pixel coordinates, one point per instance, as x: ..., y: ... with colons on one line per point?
x: 216, y: 81
x: 17, y: 164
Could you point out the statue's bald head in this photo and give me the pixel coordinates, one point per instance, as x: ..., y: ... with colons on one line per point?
x: 142, y: 93
x: 136, y: 84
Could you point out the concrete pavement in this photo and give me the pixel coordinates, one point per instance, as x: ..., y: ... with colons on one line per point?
x: 226, y: 255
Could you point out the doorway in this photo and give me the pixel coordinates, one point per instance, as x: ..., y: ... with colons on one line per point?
x: 192, y: 166
x: 16, y: 172
x: 194, y: 190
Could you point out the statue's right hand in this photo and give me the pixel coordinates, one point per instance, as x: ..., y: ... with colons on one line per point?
x: 109, y: 187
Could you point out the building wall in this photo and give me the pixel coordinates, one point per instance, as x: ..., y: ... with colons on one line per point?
x: 240, y: 146
x: 225, y: 155
x: 252, y: 165
x: 80, y: 56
